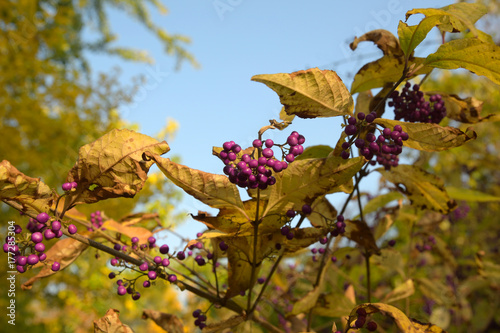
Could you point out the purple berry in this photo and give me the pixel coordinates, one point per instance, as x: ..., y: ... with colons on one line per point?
x: 151, y: 240
x: 136, y: 240
x: 56, y: 266
x: 157, y: 260
x: 66, y: 187
x: 72, y: 229
x: 114, y: 262
x: 144, y: 266
x: 74, y: 184
x: 152, y: 275
x: 267, y: 152
x: 306, y: 209
x: 257, y: 143
x: 371, y: 326
x: 292, y: 140
x: 55, y: 226
x: 269, y: 143
x: 32, y: 259
x: 146, y: 284
x: 165, y: 262
x: 350, y: 130
x: 37, y: 237
x: 164, y: 249
x: 112, y: 275
x: 172, y: 278
x: 136, y: 296
x: 122, y: 290
x: 42, y: 256
x: 22, y: 260
x: 290, y: 213
x: 361, y: 116
x: 181, y: 255
x: 43, y: 218
x: 40, y: 247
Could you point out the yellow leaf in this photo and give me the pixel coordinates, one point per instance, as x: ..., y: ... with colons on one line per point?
x: 110, y: 323
x: 311, y: 93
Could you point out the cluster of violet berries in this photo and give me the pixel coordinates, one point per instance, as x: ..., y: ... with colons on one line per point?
x: 96, y: 220
x: 411, y: 106
x: 257, y: 172
x: 150, y: 270
x: 30, y: 250
x: 66, y: 187
x: 427, y: 244
x: 382, y: 149
x: 200, y: 320
x: 360, y: 322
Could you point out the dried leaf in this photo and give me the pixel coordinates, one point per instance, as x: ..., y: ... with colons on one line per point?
x: 466, y: 110
x: 311, y: 93
x: 424, y: 190
x: 31, y: 193
x: 384, y: 40
x: 65, y: 251
x: 112, y: 166
x: 227, y: 323
x: 169, y: 322
x: 110, y: 323
x: 359, y: 232
x: 402, y: 291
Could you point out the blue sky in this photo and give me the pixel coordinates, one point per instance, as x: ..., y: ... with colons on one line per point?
x: 234, y: 40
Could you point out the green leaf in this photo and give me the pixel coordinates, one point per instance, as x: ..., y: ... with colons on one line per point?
x: 411, y: 36
x: 333, y: 304
x: 214, y: 190
x: 470, y: 195
x: 380, y: 201
x: 430, y: 137
x: 424, y: 190
x: 305, y: 180
x: 309, y: 300
x: 311, y: 93
x: 472, y: 54
x: 114, y: 163
x: 387, y: 69
x: 403, y: 323
x: 31, y: 193
x: 402, y: 291
x: 319, y: 151
x: 239, y: 256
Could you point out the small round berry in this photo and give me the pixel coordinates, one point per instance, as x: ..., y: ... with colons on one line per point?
x: 122, y: 290
x: 301, y: 139
x: 290, y: 213
x: 42, y: 256
x: 74, y: 185
x: 146, y: 284
x: 334, y: 259
x: 152, y: 275
x: 117, y: 247
x: 370, y: 117
x: 165, y: 262
x: 32, y: 259
x: 56, y: 266
x: 257, y: 143
x: 172, y: 278
x: 72, y: 229
x: 292, y: 140
x: 290, y: 235
x: 361, y: 312
x: 361, y: 116
x: 344, y: 154
x: 371, y: 326
x: 114, y: 262
x: 223, y: 246
x: 135, y: 240
x: 236, y: 149
x: 306, y: 209
x: 157, y: 260
x: 290, y: 158
x: 196, y: 313
x: 181, y: 255
x: 351, y: 121
x: 350, y: 130
x: 112, y: 275
x: 37, y: 237
x: 228, y: 145
x: 55, y: 226
x: 66, y: 187
x: 392, y: 242
x: 360, y: 322
x: 269, y: 143
x: 261, y: 280
x: 164, y: 249
x: 43, y: 217
x: 40, y: 247
x: 151, y: 240
x: 267, y: 152
x: 285, y: 230
x: 22, y: 260
x: 144, y: 266
x: 136, y: 296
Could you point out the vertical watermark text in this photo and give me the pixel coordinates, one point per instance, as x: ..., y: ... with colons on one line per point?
x: 11, y: 273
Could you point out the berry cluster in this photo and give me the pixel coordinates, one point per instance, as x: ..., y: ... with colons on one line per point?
x: 427, y: 244
x: 200, y: 320
x: 385, y: 148
x: 257, y: 172
x: 96, y: 220
x: 30, y: 250
x: 66, y: 187
x: 411, y: 106
x: 360, y: 322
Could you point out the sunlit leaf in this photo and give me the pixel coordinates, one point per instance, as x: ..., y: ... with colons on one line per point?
x: 469, y: 195
x: 305, y: 180
x: 240, y: 256
x: 311, y: 93
x: 318, y: 151
x: 383, y: 225
x: 424, y: 190
x: 472, y: 54
x: 142, y: 233
x: 454, y: 18
x: 381, y: 201
x: 214, y: 190
x: 378, y: 73
x: 403, y: 323
x: 323, y: 210
x: 430, y: 137
x: 31, y: 193
x: 112, y: 166
x: 404, y: 290
x: 169, y: 322
x: 384, y: 40
x: 110, y: 323
x: 65, y: 251
x: 411, y: 36
x: 363, y: 101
